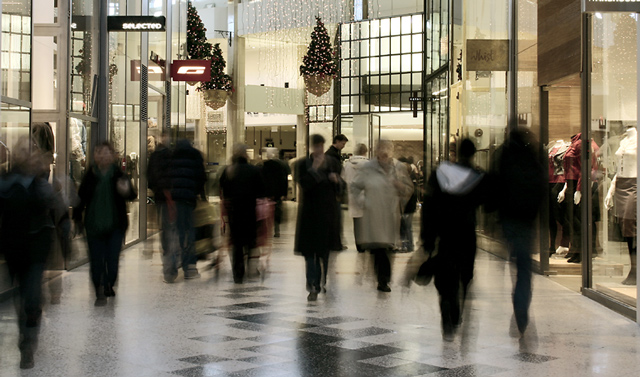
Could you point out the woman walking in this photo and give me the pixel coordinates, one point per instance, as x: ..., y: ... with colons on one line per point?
x: 384, y: 186
x: 103, y: 194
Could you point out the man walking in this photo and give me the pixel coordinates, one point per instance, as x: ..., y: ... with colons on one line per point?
x: 188, y: 177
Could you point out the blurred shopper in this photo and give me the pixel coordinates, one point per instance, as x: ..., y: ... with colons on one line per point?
x: 275, y: 175
x: 453, y: 193
x: 187, y: 177
x: 335, y: 152
x: 159, y: 182
x: 103, y: 194
x: 406, y: 225
x: 519, y: 187
x: 240, y: 186
x: 29, y: 213
x: 384, y: 186
x: 319, y: 178
x: 356, y: 204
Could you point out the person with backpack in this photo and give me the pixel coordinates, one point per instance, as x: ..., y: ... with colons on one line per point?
x: 519, y: 177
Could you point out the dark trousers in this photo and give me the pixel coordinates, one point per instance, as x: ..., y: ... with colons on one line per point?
x: 447, y: 281
x: 316, y: 266
x: 278, y: 213
x: 237, y: 261
x: 104, y: 254
x: 383, y: 265
x: 558, y: 215
x: 575, y: 217
x: 519, y: 236
x: 186, y: 235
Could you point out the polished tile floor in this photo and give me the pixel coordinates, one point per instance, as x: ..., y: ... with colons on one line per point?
x: 265, y: 327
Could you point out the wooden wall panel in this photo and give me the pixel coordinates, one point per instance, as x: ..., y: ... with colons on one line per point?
x: 559, y: 40
x: 564, y: 112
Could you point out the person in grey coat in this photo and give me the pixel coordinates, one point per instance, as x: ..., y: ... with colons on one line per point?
x: 355, y: 206
x: 384, y: 186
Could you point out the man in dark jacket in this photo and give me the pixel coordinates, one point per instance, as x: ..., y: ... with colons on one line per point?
x: 453, y: 193
x: 241, y: 185
x: 335, y: 152
x: 187, y: 175
x: 160, y: 183
x: 520, y: 179
x: 275, y: 174
x: 318, y: 177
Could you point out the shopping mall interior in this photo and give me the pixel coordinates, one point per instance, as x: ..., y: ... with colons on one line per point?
x: 423, y: 74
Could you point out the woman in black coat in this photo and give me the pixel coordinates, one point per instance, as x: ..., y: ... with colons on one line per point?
x: 318, y: 177
x: 241, y: 185
x: 103, y: 194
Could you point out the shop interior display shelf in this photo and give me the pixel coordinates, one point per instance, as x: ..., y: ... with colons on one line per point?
x: 627, y: 294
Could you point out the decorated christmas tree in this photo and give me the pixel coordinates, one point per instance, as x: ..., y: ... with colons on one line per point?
x: 197, y: 45
x: 219, y: 79
x: 319, y: 60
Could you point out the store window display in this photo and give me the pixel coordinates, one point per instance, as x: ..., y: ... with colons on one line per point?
x: 622, y: 196
x: 558, y: 213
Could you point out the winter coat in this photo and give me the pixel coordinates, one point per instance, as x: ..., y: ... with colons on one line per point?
x: 158, y: 172
x: 335, y: 153
x: 317, y: 210
x: 29, y: 212
x: 275, y: 174
x: 350, y: 171
x: 453, y: 194
x: 241, y: 184
x: 88, y: 188
x: 187, y: 173
x: 382, y: 202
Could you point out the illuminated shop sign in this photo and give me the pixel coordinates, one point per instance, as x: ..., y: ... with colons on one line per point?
x: 154, y: 71
x: 136, y: 23
x: 611, y: 5
x: 191, y: 70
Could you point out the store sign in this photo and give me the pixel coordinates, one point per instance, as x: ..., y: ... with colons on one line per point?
x: 136, y: 23
x: 487, y: 55
x: 155, y: 72
x: 191, y: 70
x: 611, y: 5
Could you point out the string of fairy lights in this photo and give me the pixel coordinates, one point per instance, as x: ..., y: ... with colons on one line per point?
x: 281, y: 32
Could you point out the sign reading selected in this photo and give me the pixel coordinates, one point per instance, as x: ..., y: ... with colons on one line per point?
x: 191, y: 70
x: 136, y: 23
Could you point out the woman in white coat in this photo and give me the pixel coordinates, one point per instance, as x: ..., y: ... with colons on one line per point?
x: 383, y: 187
x: 355, y: 206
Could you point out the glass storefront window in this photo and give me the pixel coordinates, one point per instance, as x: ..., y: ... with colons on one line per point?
x: 15, y: 59
x: 84, y: 56
x: 614, y: 129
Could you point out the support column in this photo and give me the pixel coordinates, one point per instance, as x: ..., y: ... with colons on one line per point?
x: 235, y: 106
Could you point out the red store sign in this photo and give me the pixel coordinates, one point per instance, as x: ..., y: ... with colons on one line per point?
x: 191, y: 70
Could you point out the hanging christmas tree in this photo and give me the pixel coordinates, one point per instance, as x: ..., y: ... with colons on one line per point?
x: 197, y: 45
x: 319, y: 67
x: 219, y: 79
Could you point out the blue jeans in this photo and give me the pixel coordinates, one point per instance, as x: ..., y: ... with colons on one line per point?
x: 519, y: 237
x: 104, y: 255
x: 406, y: 231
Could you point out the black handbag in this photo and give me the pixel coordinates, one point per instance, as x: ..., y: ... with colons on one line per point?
x: 426, y: 271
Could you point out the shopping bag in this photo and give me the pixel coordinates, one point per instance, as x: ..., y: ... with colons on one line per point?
x: 420, y: 268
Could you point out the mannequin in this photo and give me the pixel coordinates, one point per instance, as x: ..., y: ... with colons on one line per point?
x: 557, y: 211
x: 573, y: 183
x: 622, y: 195
x: 573, y: 176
